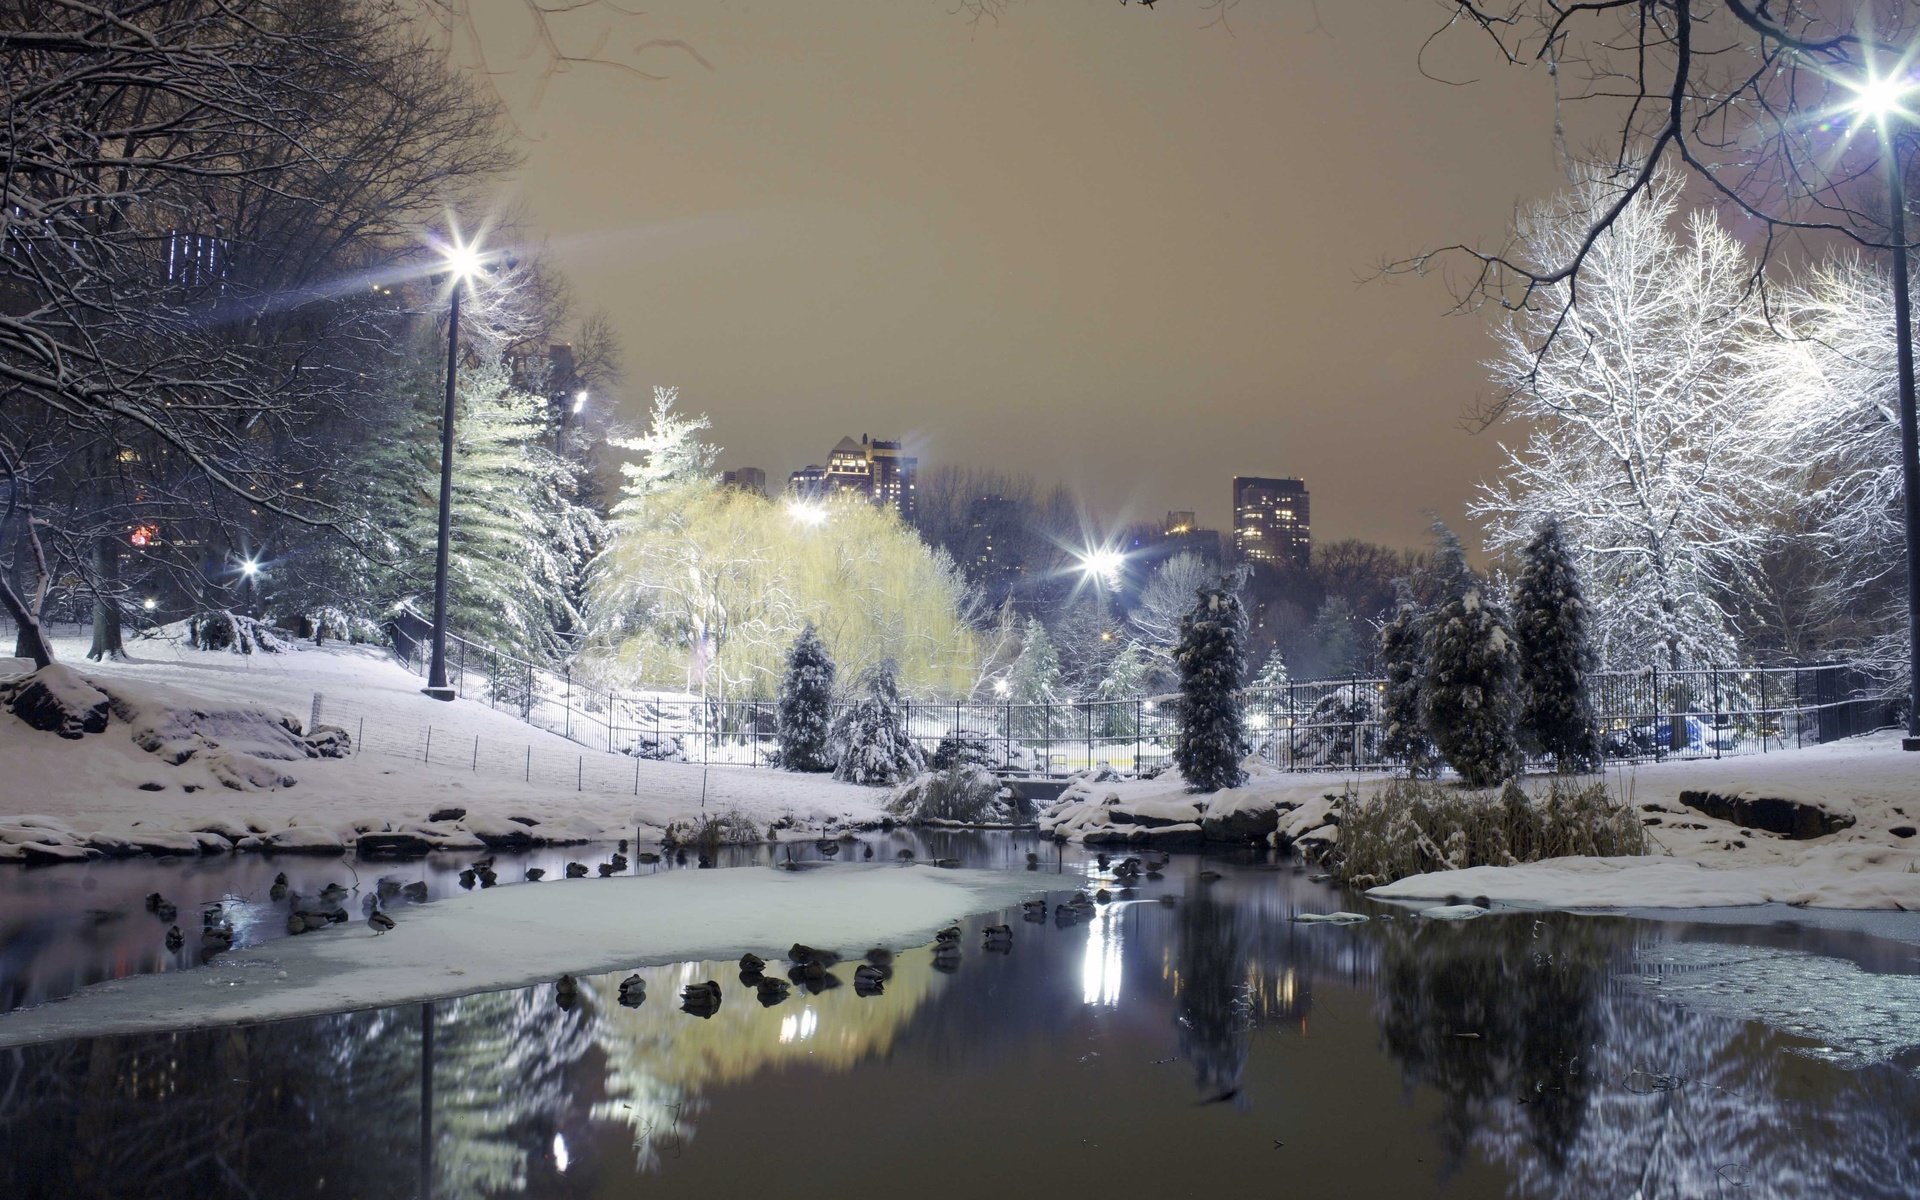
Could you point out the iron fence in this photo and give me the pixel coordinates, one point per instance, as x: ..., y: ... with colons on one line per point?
x: 1645, y: 716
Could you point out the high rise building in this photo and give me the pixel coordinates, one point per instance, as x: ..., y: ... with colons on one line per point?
x: 747, y: 479
x: 870, y: 467
x: 1270, y: 523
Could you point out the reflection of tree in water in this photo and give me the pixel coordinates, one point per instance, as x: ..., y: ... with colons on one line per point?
x: 324, y: 1107
x: 1496, y: 1013
x: 1210, y: 987
x: 659, y: 1060
x: 1580, y: 1085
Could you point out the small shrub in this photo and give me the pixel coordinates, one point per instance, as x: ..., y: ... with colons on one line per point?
x: 961, y: 747
x: 708, y: 834
x: 968, y: 794
x: 1411, y: 826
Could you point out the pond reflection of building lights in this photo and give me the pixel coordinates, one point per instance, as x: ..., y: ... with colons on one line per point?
x: 1100, y: 971
x: 561, y: 1159
x: 798, y: 1027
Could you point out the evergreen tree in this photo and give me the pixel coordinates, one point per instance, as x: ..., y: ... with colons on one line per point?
x: 1120, y: 691
x: 870, y: 739
x: 1273, y: 675
x: 803, y: 721
x: 1402, y: 638
x: 1034, y: 681
x: 520, y: 537
x: 1551, y: 620
x: 1211, y: 656
x: 1469, y: 695
x: 1331, y: 636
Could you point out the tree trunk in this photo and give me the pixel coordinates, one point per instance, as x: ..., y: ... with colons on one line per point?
x: 29, y: 640
x: 107, y: 643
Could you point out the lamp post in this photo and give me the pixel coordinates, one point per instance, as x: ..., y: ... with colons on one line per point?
x: 1883, y: 99
x: 462, y: 262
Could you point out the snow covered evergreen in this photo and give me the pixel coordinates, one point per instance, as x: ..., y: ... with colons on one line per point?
x: 1034, y: 680
x: 1403, y: 733
x: 870, y: 741
x: 1469, y: 695
x: 803, y: 723
x: 1551, y: 620
x: 1121, y: 690
x: 1211, y: 656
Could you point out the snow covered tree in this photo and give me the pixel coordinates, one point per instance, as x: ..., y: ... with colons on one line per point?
x: 1556, y: 655
x: 1469, y: 693
x: 1638, y: 410
x: 804, y: 719
x: 1273, y: 675
x: 1034, y: 681
x: 714, y: 584
x: 1403, y: 734
x: 1832, y: 420
x: 1212, y: 657
x: 1164, y: 602
x: 520, y: 536
x: 1083, y: 636
x: 1121, y: 690
x: 870, y: 739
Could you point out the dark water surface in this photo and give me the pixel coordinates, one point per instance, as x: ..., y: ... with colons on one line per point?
x: 1190, y: 1040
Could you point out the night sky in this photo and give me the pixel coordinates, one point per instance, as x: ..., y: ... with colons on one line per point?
x: 1103, y: 246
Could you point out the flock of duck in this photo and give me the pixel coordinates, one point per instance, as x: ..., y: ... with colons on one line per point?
x: 808, y: 967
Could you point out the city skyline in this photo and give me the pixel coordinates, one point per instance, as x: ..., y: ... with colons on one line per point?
x: 1076, y: 244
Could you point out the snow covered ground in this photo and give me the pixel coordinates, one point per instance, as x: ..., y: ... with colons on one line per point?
x: 514, y: 936
x: 1698, y: 860
x: 54, y: 790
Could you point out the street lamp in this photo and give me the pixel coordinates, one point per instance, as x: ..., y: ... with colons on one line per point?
x: 1883, y: 100
x: 1101, y: 565
x: 463, y: 262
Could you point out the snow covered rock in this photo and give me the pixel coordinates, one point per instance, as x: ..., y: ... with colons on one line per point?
x: 392, y: 845
x: 305, y: 839
x: 57, y: 699
x: 1794, y: 819
x: 1241, y: 815
x: 1155, y: 813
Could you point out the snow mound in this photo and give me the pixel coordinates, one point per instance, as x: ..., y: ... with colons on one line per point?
x: 1836, y: 876
x: 514, y: 936
x: 57, y: 699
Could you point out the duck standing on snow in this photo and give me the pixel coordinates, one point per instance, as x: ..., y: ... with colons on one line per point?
x: 576, y: 870
x: 535, y: 874
x: 175, y: 939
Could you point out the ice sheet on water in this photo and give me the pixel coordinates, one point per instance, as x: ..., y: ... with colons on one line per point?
x: 1853, y: 1017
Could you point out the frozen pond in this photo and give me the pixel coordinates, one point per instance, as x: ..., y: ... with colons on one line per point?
x: 1201, y: 1046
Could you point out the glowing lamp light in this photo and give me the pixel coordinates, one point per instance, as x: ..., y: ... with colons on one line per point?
x: 463, y: 260
x: 807, y: 513
x: 149, y: 604
x: 1001, y: 687
x: 250, y: 568
x: 143, y: 535
x: 579, y: 400
x: 1103, y: 565
x: 1881, y: 96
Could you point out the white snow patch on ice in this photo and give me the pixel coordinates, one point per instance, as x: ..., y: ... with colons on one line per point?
x: 514, y: 936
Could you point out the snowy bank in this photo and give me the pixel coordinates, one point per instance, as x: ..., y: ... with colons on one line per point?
x: 1824, y: 877
x: 199, y: 752
x: 511, y: 937
x: 1865, y: 790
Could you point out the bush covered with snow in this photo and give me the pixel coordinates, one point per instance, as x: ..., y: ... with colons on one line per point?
x: 1341, y: 729
x: 222, y: 630
x: 1409, y: 827
x: 965, y: 794
x: 870, y: 739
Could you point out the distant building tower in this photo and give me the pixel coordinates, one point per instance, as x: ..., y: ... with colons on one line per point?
x: 747, y: 479
x: 870, y: 467
x: 1270, y: 523
x: 894, y: 476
